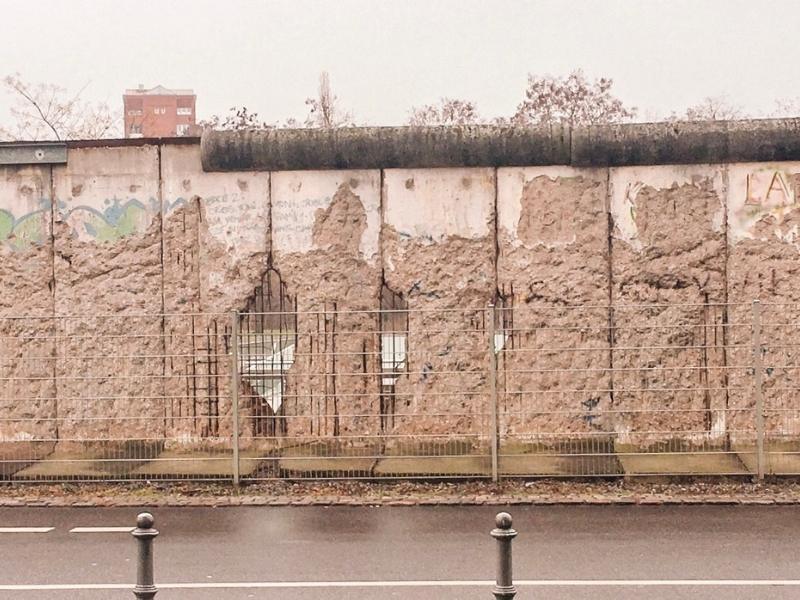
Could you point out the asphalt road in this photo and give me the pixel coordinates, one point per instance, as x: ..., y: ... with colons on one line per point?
x: 438, y: 552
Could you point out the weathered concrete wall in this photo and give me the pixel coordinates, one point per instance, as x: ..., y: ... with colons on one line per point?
x: 107, y: 272
x: 325, y: 230
x: 27, y: 348
x: 215, y: 249
x: 763, y: 219
x: 120, y: 236
x: 668, y: 264
x: 553, y: 277
x: 438, y: 248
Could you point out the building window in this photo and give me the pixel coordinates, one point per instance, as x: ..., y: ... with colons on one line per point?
x: 135, y: 131
x: 135, y: 112
x: 183, y: 129
x: 159, y: 110
x: 182, y: 110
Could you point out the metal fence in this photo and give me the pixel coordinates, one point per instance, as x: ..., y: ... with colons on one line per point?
x: 513, y: 390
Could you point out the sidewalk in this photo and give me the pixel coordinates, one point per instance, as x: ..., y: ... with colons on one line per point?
x: 456, y: 458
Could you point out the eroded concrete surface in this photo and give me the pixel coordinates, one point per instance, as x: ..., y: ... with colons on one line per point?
x: 553, y: 256
x: 438, y: 252
x: 763, y: 264
x: 669, y: 260
x: 129, y: 264
x: 325, y: 234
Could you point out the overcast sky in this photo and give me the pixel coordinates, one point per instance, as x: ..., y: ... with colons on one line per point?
x: 387, y: 56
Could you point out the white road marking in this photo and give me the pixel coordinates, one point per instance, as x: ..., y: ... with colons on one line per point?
x: 423, y: 583
x: 26, y: 529
x: 101, y: 529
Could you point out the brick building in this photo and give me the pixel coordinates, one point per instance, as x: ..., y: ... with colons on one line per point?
x: 159, y: 112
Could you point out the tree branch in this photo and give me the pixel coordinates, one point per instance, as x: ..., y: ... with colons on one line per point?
x: 23, y: 92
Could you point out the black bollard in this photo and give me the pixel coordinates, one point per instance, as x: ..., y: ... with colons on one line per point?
x: 144, y: 533
x: 504, y: 588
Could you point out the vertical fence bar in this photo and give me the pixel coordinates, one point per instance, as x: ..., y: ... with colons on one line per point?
x: 493, y: 436
x: 758, y: 389
x: 235, y: 392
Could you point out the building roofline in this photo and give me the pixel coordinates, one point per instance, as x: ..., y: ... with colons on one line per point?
x: 158, y: 90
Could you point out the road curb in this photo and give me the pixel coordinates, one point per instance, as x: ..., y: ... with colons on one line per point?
x: 250, y: 501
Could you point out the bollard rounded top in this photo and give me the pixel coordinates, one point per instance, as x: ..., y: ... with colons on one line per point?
x: 503, y: 520
x: 145, y: 521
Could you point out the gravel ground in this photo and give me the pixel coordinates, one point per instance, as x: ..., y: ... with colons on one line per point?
x: 282, y: 493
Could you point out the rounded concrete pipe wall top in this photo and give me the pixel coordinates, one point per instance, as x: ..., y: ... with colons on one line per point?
x: 496, y: 146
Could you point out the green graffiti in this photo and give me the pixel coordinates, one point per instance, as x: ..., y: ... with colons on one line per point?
x: 6, y: 224
x: 19, y: 233
x: 115, y: 222
x: 29, y: 229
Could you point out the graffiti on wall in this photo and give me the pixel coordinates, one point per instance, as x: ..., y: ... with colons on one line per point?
x: 30, y: 228
x: 229, y: 217
x: 115, y: 220
x: 768, y: 189
x: 235, y: 219
x: 761, y: 202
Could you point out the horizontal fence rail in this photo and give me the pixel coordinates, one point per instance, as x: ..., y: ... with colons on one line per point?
x: 496, y: 391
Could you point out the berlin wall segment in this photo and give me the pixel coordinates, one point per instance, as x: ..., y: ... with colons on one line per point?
x: 140, y: 230
x: 28, y: 398
x: 553, y: 255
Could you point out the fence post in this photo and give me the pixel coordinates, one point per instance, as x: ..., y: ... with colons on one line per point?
x: 758, y: 370
x: 144, y: 533
x: 235, y: 392
x: 493, y: 436
x: 504, y: 534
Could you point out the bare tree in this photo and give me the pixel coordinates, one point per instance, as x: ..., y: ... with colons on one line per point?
x: 238, y: 118
x: 241, y: 119
x: 573, y: 100
x: 46, y: 111
x: 448, y: 112
x: 325, y: 110
x: 785, y: 108
x: 713, y: 108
